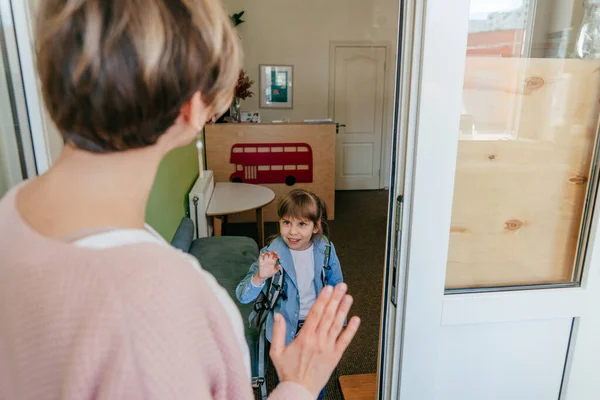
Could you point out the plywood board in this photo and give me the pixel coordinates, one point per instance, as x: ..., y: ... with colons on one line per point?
x: 220, y: 138
x: 358, y: 387
x: 522, y: 175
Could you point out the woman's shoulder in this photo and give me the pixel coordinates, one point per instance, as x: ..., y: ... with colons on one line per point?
x: 151, y: 279
x: 139, y: 255
x: 156, y: 267
x: 165, y: 294
x: 162, y: 286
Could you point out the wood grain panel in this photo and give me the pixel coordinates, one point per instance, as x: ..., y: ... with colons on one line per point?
x: 519, y: 199
x: 358, y: 387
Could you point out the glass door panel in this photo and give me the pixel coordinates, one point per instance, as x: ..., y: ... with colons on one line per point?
x: 526, y: 157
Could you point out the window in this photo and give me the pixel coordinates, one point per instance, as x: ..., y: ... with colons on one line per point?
x: 264, y: 168
x: 502, y: 30
x: 290, y: 168
x: 237, y: 150
x: 290, y: 149
x: 250, y: 150
x: 276, y: 149
x: 263, y: 149
x: 302, y: 167
x: 276, y: 167
x: 303, y: 149
x: 240, y: 167
x: 500, y: 239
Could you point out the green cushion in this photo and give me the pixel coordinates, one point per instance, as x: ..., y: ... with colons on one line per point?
x: 229, y: 258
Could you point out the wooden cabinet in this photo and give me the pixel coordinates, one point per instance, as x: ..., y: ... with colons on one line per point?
x: 281, y: 157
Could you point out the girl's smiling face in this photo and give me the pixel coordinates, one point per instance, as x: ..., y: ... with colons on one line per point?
x: 297, y: 233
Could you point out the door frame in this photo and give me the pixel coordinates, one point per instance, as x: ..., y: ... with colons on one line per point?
x: 407, y: 86
x: 38, y: 120
x: 388, y: 96
x: 423, y: 174
x: 13, y: 69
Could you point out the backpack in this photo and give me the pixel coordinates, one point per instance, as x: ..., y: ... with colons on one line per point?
x: 264, y: 303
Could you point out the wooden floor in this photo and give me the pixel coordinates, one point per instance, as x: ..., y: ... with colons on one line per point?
x: 358, y: 387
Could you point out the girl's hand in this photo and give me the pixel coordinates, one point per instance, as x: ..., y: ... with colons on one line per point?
x: 268, y: 265
x: 311, y: 358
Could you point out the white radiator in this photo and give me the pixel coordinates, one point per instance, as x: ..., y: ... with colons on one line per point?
x: 199, y: 198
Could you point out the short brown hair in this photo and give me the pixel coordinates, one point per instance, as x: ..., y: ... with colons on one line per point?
x: 302, y: 204
x: 115, y: 73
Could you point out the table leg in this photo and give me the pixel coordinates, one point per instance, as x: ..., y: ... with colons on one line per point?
x: 217, y: 226
x: 260, y: 226
x: 224, y: 228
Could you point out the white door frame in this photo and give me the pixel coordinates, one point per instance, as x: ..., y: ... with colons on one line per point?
x: 22, y: 16
x: 430, y: 103
x: 407, y: 85
x: 388, y: 96
x: 15, y: 85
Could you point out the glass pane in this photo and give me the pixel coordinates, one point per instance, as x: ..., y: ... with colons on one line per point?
x: 337, y: 61
x: 10, y: 168
x: 526, y: 143
x: 12, y: 165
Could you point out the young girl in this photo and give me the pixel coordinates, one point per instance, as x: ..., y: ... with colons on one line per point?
x: 303, y: 250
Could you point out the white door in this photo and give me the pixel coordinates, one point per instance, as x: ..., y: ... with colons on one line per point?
x: 358, y: 97
x: 493, y: 287
x: 17, y: 161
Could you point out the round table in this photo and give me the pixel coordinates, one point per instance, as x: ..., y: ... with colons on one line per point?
x: 232, y: 198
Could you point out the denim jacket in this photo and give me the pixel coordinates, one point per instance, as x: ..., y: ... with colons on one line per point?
x: 289, y: 307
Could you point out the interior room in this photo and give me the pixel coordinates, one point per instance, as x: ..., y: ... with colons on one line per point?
x: 334, y: 113
x: 339, y: 106
x: 502, y: 182
x: 502, y: 98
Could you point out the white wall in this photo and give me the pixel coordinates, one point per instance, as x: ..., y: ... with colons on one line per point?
x: 566, y: 14
x: 298, y: 33
x: 55, y: 141
x: 541, y: 27
x: 553, y: 16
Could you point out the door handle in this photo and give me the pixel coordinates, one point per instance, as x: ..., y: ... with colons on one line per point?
x: 337, y: 127
x: 397, y: 244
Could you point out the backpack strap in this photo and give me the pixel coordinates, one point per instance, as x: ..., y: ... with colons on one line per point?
x: 275, y: 289
x: 265, y: 303
x: 326, y: 266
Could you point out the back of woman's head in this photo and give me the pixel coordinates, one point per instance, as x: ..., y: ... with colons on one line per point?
x: 116, y: 73
x: 302, y: 204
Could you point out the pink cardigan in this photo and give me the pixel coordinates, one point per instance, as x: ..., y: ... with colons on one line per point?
x: 129, y: 322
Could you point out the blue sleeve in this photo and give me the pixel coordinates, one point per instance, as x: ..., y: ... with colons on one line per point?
x: 335, y: 276
x: 246, y: 292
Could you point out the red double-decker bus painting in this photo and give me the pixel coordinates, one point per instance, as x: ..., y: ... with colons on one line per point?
x: 272, y: 163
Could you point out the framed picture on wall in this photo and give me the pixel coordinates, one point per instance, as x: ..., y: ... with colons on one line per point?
x: 276, y: 86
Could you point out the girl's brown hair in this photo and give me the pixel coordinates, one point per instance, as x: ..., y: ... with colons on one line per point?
x: 115, y: 73
x: 302, y: 204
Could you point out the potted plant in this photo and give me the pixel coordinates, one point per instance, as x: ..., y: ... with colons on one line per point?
x: 241, y: 92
